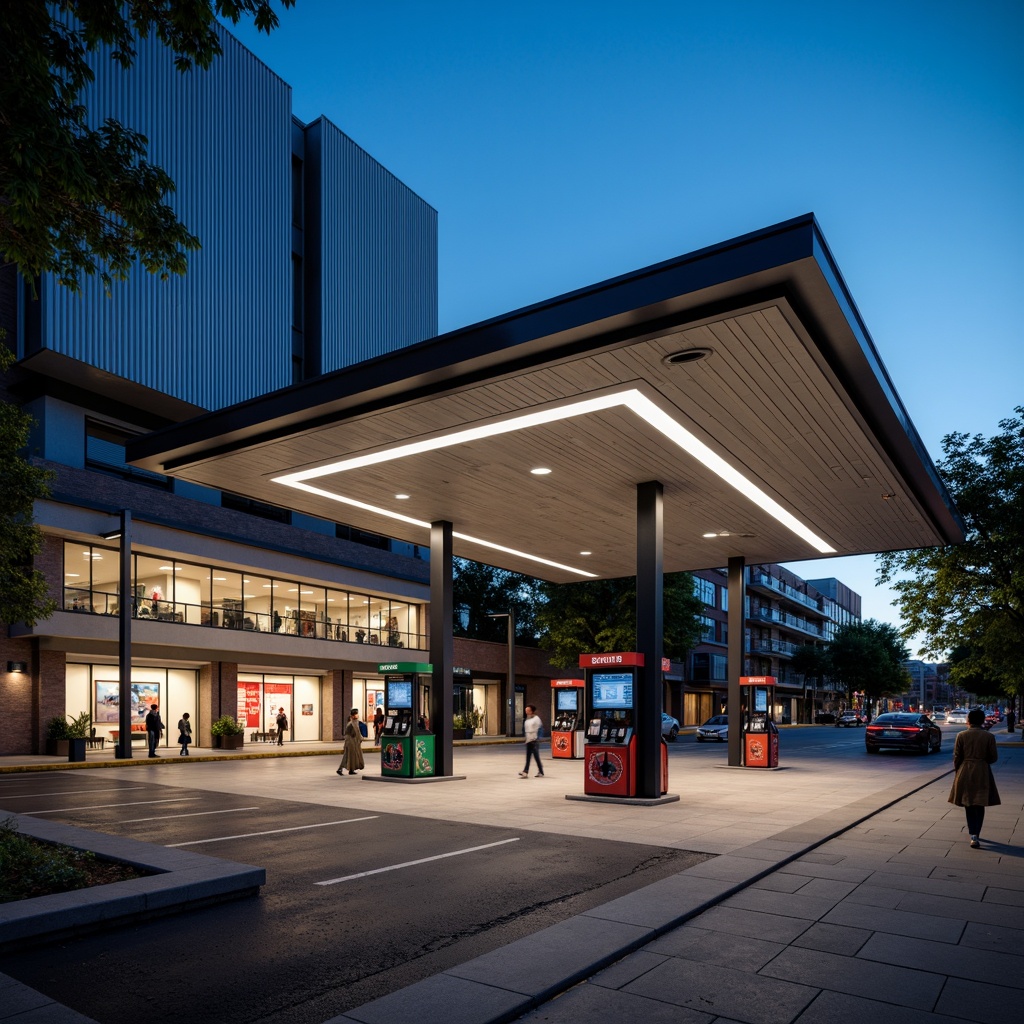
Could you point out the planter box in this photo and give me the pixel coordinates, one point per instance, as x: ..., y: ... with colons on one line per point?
x: 57, y: 748
x: 76, y: 749
x: 462, y: 734
x: 231, y: 742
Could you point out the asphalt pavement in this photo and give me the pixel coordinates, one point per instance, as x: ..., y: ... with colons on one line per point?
x: 841, y: 889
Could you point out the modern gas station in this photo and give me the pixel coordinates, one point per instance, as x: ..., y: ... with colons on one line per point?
x: 720, y: 409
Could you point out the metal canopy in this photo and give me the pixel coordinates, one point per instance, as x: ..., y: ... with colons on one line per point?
x: 740, y: 377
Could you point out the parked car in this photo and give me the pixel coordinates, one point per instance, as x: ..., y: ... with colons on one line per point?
x: 669, y: 727
x: 938, y: 716
x: 824, y: 718
x: 905, y: 730
x: 715, y: 728
x: 992, y: 717
x: 848, y: 718
x: 958, y: 716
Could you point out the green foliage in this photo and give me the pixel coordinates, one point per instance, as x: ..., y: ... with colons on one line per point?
x: 58, y: 729
x: 26, y: 867
x: 81, y: 199
x: 868, y: 656
x: 80, y: 727
x: 479, y: 589
x: 226, y: 726
x: 600, y: 615
x: 968, y: 599
x: 23, y: 591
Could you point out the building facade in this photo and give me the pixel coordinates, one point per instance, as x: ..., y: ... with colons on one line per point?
x: 782, y: 613
x: 313, y: 257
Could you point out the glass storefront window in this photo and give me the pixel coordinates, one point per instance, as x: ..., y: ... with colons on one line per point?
x: 170, y: 590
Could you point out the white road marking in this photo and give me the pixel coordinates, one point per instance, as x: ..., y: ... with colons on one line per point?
x: 413, y: 863
x: 94, y: 807
x: 194, y: 814
x: 72, y: 792
x: 273, y: 832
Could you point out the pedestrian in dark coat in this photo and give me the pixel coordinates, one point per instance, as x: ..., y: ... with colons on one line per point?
x: 352, y: 757
x: 154, y: 726
x: 184, y: 733
x: 974, y: 786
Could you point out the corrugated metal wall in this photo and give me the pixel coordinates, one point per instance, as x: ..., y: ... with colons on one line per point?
x: 374, y: 284
x: 221, y: 333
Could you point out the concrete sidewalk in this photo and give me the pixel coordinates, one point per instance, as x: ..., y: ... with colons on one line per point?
x: 819, y: 906
x: 892, y: 918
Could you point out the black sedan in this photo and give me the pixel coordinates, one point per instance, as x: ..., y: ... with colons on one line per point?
x: 903, y: 730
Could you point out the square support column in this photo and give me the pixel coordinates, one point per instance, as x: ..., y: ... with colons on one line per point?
x: 442, y: 644
x: 737, y: 620
x: 650, y: 632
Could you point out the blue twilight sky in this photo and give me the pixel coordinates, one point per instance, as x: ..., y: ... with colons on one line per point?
x: 565, y: 143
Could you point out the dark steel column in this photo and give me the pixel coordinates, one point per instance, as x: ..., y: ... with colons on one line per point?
x: 442, y: 644
x: 124, y: 638
x: 650, y: 620
x: 737, y: 621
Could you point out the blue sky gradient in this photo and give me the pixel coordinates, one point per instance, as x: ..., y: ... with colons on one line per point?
x: 565, y: 143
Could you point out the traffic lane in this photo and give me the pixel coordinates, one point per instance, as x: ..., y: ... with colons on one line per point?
x: 303, y: 952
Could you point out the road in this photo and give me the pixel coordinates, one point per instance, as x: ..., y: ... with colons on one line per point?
x: 358, y: 901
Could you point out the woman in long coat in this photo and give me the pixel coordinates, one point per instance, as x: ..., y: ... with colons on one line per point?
x: 974, y: 787
x: 352, y: 757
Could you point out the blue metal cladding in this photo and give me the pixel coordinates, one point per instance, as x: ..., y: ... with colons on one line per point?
x: 221, y: 333
x: 371, y: 251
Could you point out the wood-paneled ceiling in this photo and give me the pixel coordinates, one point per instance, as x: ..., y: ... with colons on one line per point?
x: 787, y: 391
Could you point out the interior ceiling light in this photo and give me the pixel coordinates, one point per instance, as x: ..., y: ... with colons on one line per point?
x: 540, y: 471
x: 629, y: 397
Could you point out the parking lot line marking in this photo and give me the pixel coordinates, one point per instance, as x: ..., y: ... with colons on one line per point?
x: 194, y: 814
x: 413, y: 863
x: 94, y: 807
x: 71, y: 792
x: 274, y: 831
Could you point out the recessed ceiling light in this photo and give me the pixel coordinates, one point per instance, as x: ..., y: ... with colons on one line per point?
x: 540, y: 471
x: 75, y: 574
x: 586, y: 552
x: 709, y: 535
x: 688, y: 355
x: 402, y: 497
x: 165, y: 568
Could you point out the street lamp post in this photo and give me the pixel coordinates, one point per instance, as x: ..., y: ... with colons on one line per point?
x: 510, y: 707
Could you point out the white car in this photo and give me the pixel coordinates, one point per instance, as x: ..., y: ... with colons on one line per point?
x: 958, y: 716
x: 715, y: 728
x: 669, y: 727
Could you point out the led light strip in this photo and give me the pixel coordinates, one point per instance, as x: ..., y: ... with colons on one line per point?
x: 630, y: 398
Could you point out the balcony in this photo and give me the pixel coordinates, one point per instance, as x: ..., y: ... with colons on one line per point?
x: 787, y: 620
x: 765, y: 582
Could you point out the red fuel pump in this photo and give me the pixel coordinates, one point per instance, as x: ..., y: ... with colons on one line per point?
x: 610, y: 753
x: 567, y: 717
x: 760, y: 748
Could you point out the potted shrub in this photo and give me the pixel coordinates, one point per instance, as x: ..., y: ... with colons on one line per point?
x: 465, y: 724
x: 78, y: 733
x: 57, y: 736
x: 227, y: 733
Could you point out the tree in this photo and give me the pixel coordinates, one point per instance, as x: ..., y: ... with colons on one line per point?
x: 812, y: 662
x: 600, y: 615
x: 23, y: 596
x: 79, y: 199
x: 479, y: 590
x: 969, y: 598
x: 868, y: 657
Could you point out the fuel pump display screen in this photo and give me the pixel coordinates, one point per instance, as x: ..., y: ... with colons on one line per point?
x: 567, y: 700
x: 611, y: 690
x: 761, y: 699
x: 399, y: 694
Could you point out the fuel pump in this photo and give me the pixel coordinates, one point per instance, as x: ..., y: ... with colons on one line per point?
x: 760, y: 747
x: 406, y: 743
x: 567, y: 718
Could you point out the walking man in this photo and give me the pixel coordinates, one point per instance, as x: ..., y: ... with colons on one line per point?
x: 153, y: 729
x: 531, y: 729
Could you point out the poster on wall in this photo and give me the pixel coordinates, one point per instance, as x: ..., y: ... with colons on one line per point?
x: 275, y: 697
x: 249, y: 697
x: 307, y: 710
x: 144, y: 695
